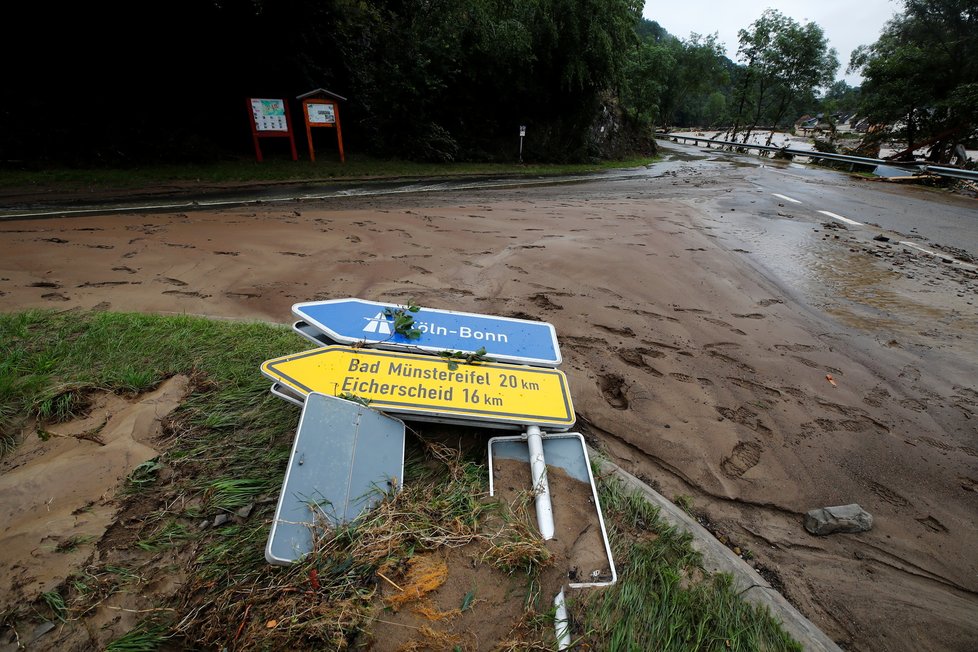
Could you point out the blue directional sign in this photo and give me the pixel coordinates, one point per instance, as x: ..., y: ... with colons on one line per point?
x: 349, y: 321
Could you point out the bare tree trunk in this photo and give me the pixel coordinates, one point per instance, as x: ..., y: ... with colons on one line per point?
x: 757, y: 113
x: 740, y: 108
x: 910, y: 133
x: 781, y: 110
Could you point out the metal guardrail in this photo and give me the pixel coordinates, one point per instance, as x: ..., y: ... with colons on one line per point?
x: 953, y: 173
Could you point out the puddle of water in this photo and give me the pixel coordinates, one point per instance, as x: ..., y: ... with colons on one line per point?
x: 856, y: 288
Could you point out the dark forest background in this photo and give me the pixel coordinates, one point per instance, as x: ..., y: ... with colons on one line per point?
x: 123, y: 83
x: 439, y: 80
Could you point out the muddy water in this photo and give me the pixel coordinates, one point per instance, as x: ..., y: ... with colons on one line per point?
x: 59, y: 487
x: 863, y: 283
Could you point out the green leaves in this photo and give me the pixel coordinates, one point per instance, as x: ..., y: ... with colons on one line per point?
x: 346, y: 396
x: 456, y: 357
x: 404, y: 320
x: 786, y: 62
x: 143, y: 475
x: 919, y: 72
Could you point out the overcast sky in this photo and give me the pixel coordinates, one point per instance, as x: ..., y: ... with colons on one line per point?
x: 847, y: 24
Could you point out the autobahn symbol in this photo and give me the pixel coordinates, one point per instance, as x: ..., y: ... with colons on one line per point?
x: 378, y: 324
x: 410, y: 384
x: 505, y: 339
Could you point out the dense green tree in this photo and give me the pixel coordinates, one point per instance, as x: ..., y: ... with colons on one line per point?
x: 667, y: 76
x: 841, y: 97
x: 785, y: 63
x: 922, y: 73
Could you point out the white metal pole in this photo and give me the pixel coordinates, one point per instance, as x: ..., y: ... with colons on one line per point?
x: 560, y: 622
x: 541, y: 488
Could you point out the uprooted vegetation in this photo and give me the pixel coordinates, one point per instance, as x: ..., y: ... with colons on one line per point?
x: 439, y: 565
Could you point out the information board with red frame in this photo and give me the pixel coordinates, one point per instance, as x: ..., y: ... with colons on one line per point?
x: 270, y: 119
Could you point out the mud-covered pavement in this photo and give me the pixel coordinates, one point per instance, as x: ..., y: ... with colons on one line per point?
x: 700, y: 319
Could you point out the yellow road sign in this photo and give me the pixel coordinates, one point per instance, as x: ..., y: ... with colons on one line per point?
x: 408, y: 383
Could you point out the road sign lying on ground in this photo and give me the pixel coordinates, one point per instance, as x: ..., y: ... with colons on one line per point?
x: 287, y: 394
x: 344, y: 459
x: 349, y: 321
x: 312, y: 334
x: 568, y: 452
x: 424, y: 386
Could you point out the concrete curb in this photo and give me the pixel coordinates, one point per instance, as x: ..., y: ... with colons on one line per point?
x: 718, y: 558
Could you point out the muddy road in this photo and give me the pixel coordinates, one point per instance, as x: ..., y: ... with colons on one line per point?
x: 723, y: 338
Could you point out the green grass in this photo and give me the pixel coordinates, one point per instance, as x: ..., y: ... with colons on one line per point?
x: 166, y: 536
x: 147, y: 636
x: 662, y: 600
x: 280, y: 171
x: 72, y: 543
x: 228, y: 494
x: 56, y: 603
x: 227, y: 446
x: 143, y: 475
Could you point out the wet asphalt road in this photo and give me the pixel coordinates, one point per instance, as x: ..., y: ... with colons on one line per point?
x: 923, y: 216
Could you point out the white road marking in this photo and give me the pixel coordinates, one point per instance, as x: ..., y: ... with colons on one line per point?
x: 938, y: 254
x: 786, y: 198
x: 841, y: 219
x: 919, y: 248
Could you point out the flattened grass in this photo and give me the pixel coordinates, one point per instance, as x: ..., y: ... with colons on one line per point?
x: 227, y: 447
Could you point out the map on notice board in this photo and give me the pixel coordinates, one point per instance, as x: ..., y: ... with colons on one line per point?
x: 321, y: 114
x: 269, y: 115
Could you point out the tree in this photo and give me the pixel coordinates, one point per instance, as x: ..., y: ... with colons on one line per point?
x: 785, y: 62
x: 699, y: 69
x: 843, y: 96
x: 431, y: 79
x: 923, y: 72
x: 666, y: 76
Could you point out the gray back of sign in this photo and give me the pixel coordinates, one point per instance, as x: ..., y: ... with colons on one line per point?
x: 345, y: 458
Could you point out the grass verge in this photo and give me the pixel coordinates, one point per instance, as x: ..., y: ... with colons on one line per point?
x: 226, y: 448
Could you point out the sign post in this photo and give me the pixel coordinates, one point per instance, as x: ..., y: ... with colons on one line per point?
x: 322, y: 111
x: 353, y: 321
x: 419, y: 386
x: 522, y: 134
x: 270, y: 119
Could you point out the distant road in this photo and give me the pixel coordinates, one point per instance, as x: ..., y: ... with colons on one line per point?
x: 922, y: 214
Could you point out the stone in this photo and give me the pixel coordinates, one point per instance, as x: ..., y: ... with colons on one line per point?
x: 221, y: 519
x: 841, y: 518
x: 245, y: 511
